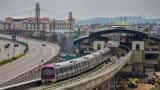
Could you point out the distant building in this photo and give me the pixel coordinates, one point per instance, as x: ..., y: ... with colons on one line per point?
x: 45, y: 23
x: 28, y: 23
x: 63, y: 25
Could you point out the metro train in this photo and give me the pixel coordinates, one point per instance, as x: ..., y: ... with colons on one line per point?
x: 63, y: 70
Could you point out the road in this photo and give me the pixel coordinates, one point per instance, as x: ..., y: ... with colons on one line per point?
x: 11, y: 51
x: 31, y: 60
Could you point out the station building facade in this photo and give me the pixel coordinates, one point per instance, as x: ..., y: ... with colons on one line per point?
x: 45, y: 23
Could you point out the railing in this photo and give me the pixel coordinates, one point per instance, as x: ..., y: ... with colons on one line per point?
x: 22, y: 85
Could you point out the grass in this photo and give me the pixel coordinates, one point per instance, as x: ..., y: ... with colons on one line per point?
x: 11, y: 59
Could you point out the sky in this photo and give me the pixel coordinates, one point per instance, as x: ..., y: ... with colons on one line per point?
x: 81, y: 9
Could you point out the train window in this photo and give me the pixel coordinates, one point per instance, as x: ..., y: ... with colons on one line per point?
x: 71, y: 68
x: 83, y: 64
x: 75, y: 67
x: 86, y: 63
x: 64, y: 69
x: 60, y: 70
x: 97, y: 58
x: 100, y: 57
x: 56, y: 71
x: 103, y: 54
x: 79, y: 64
x: 67, y: 68
x: 48, y: 71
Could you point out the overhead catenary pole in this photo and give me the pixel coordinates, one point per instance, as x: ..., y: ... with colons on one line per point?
x: 37, y: 15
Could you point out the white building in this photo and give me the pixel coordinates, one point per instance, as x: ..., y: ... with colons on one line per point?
x: 45, y: 24
x: 64, y: 25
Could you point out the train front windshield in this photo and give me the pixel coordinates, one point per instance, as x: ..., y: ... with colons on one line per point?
x: 48, y: 73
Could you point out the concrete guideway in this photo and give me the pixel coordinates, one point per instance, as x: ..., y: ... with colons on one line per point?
x: 36, y: 54
x: 89, y: 80
x: 98, y: 78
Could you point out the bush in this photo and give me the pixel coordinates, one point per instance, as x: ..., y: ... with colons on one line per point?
x: 11, y: 59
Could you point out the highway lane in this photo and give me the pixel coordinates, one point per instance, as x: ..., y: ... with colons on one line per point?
x: 31, y: 60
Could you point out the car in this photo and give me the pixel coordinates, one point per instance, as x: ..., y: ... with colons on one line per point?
x: 43, y: 44
x: 6, y: 45
x: 16, y: 45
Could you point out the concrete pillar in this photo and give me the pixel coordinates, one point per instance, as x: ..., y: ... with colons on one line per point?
x: 98, y: 45
x: 137, y: 45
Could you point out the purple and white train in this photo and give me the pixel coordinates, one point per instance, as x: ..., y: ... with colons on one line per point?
x: 67, y: 69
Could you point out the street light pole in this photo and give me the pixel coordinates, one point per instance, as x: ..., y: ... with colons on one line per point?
x: 14, y: 39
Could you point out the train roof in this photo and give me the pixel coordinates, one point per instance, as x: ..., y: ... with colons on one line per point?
x: 48, y: 65
x: 80, y: 59
x: 77, y: 60
x: 88, y: 56
x: 67, y: 63
x: 102, y: 51
x: 63, y: 63
x: 96, y: 53
x: 106, y: 49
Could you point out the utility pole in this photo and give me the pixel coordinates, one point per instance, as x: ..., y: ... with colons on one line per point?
x: 37, y: 15
x: 42, y: 33
x: 14, y: 40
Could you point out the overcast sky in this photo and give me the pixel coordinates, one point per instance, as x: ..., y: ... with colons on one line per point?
x: 81, y: 9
